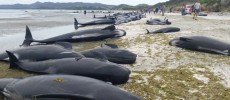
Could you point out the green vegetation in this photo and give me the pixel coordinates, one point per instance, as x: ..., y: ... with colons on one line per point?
x: 161, y: 81
x: 179, y: 83
x: 207, y: 5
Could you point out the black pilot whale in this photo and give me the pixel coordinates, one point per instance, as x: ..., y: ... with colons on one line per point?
x: 202, y: 44
x: 90, y: 67
x: 164, y: 30
x: 97, y: 22
x: 61, y: 87
x: 78, y: 36
x: 43, y: 52
x: 113, y: 53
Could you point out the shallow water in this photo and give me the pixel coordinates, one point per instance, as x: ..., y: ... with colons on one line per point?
x: 42, y: 23
x: 14, y: 40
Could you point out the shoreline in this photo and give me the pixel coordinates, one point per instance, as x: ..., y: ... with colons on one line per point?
x: 161, y: 71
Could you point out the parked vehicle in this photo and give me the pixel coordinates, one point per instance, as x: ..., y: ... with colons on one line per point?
x: 187, y: 10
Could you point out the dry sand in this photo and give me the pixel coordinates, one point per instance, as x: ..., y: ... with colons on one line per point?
x: 166, y: 72
x: 163, y: 71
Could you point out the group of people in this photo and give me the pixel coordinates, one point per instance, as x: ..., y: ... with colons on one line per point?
x: 196, y: 8
x: 160, y: 9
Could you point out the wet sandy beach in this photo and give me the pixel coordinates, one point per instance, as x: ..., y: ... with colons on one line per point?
x: 161, y: 71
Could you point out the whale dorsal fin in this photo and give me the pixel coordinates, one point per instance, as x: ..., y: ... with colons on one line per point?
x: 112, y: 27
x: 13, y: 60
x: 64, y: 96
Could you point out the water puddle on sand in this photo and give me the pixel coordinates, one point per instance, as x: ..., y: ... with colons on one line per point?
x: 14, y: 40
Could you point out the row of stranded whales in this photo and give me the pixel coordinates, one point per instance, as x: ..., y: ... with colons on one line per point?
x: 61, y: 87
x: 61, y: 50
x: 164, y: 30
x: 97, y: 22
x: 202, y: 44
x: 105, y: 17
x: 115, y: 19
x: 120, y: 18
x: 60, y: 59
x: 113, y: 54
x: 89, y: 67
x: 158, y: 22
x: 78, y: 36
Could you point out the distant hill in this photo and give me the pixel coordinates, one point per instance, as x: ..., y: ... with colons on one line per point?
x: 207, y: 5
x: 51, y: 5
x: 128, y: 7
x: 74, y: 6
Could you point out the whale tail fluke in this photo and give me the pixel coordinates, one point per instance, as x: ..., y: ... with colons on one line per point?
x: 76, y: 24
x: 165, y: 17
x: 28, y: 38
x: 13, y: 60
x: 124, y: 33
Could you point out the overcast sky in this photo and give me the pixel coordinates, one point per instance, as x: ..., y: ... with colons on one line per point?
x: 114, y: 2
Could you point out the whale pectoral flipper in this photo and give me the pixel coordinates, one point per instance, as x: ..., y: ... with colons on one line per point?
x: 225, y: 52
x: 65, y: 96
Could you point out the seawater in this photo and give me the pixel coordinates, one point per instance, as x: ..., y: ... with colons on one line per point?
x: 12, y: 40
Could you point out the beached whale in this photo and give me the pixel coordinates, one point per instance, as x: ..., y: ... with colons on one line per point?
x: 157, y: 22
x: 97, y: 22
x: 113, y: 54
x: 43, y: 52
x: 202, y: 44
x: 164, y: 30
x: 104, y: 17
x: 90, y: 67
x: 202, y: 14
x: 78, y: 36
x: 61, y: 87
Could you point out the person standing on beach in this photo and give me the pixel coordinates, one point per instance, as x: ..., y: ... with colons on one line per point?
x: 163, y: 8
x: 156, y: 10
x: 84, y: 12
x: 197, y: 8
x: 183, y: 9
